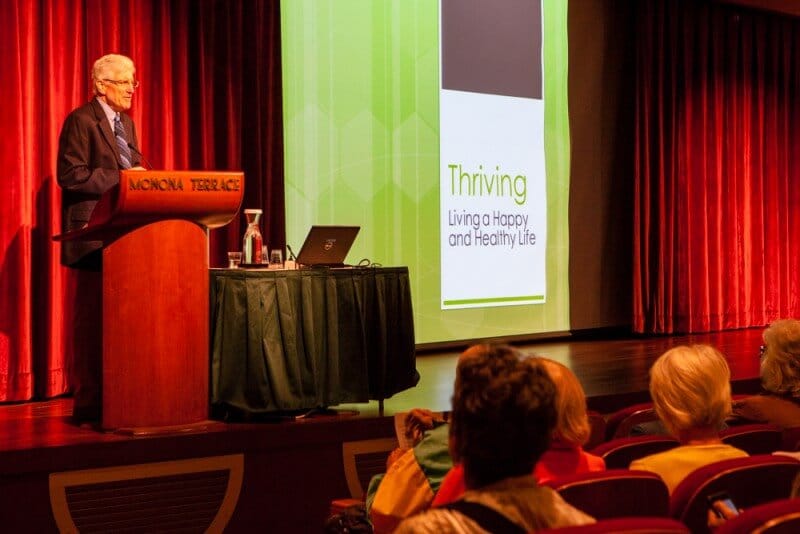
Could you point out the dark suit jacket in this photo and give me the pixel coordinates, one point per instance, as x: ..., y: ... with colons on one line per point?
x: 88, y: 166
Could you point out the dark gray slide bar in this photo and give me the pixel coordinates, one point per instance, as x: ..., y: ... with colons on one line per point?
x: 492, y: 46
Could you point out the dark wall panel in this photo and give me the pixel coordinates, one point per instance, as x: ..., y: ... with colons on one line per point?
x: 601, y: 93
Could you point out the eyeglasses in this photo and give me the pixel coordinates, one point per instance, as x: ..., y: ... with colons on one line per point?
x: 133, y: 84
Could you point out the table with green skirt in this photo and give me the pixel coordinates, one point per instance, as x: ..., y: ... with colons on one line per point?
x: 285, y: 340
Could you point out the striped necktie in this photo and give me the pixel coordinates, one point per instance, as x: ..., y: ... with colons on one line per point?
x: 122, y: 143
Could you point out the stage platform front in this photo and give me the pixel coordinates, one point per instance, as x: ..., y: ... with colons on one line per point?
x: 276, y: 474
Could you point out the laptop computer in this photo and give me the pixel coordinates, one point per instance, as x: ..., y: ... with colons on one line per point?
x: 327, y: 246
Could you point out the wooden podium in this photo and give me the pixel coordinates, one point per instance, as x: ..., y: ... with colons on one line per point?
x: 155, y: 292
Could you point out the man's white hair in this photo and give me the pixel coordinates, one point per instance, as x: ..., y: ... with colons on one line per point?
x: 110, y: 65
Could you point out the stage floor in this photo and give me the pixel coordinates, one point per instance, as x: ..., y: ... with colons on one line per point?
x: 292, y: 469
x: 612, y: 371
x: 607, y: 368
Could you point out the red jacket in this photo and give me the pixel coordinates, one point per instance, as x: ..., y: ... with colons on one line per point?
x: 558, y: 461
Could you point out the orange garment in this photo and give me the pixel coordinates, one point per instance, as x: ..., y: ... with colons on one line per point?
x: 558, y: 461
x: 410, y: 483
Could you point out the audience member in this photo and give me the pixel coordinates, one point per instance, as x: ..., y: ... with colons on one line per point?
x: 503, y: 416
x: 691, y: 392
x: 412, y: 475
x: 780, y: 377
x: 565, y: 455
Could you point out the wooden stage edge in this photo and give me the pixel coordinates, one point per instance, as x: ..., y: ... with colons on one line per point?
x: 277, y: 474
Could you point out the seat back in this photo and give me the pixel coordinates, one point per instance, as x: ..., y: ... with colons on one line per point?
x: 615, y: 493
x: 791, y: 439
x: 618, y: 453
x: 626, y: 525
x: 620, y: 423
x: 773, y: 517
x: 754, y: 439
x: 750, y: 481
x: 598, y: 425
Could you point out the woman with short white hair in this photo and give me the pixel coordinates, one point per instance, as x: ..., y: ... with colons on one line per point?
x: 691, y: 392
x: 780, y: 378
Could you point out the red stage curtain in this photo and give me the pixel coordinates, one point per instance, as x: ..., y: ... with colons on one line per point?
x: 717, y: 182
x: 210, y: 98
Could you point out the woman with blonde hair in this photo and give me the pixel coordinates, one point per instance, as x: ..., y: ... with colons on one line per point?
x: 780, y: 378
x: 565, y: 454
x: 691, y: 392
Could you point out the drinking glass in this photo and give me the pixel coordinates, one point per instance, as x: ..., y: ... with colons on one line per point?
x: 234, y: 259
x: 276, y: 258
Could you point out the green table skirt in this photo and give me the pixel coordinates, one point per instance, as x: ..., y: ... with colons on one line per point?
x: 294, y: 340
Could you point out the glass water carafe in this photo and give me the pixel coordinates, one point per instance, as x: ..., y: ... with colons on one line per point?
x: 251, y: 244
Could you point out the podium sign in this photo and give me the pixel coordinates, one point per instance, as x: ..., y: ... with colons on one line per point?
x: 155, y: 292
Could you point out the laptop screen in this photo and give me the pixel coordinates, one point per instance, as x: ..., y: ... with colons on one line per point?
x: 327, y: 245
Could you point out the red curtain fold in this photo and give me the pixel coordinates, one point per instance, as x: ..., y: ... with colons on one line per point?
x: 716, y: 222
x: 210, y: 99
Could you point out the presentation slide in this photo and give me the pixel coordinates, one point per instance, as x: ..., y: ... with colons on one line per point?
x: 491, y: 135
x: 439, y: 127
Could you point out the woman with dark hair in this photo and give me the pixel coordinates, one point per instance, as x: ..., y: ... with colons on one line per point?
x: 503, y: 417
x: 565, y: 456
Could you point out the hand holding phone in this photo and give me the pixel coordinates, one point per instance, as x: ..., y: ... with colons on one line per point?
x: 729, y: 508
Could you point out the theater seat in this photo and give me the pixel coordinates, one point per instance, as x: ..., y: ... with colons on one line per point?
x: 626, y: 525
x: 337, y: 506
x: 620, y: 423
x: 618, y: 453
x: 754, y: 438
x: 791, y: 439
x: 615, y: 493
x: 749, y: 481
x: 598, y: 425
x: 770, y: 518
